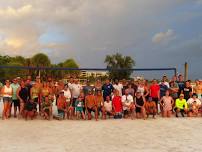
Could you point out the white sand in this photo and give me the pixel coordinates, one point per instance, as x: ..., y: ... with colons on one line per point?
x: 159, y: 135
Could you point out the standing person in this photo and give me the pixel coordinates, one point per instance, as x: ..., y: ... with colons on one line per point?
x: 91, y: 106
x: 167, y: 104
x: 165, y: 81
x: 181, y: 84
x: 98, y: 85
x: 174, y: 89
x: 99, y: 103
x: 15, y: 100
x: 107, y: 89
x: 68, y: 96
x: 35, y: 93
x: 198, y: 89
x: 139, y: 105
x: 155, y: 92
x: 79, y: 107
x: 76, y: 89
x: 87, y: 88
x: 6, y: 92
x: 23, y: 96
x: 118, y: 86
x: 28, y: 84
x: 181, y: 105
x: 130, y: 90
x: 128, y: 106
x: 187, y: 91
x: 117, y: 105
x: 142, y: 88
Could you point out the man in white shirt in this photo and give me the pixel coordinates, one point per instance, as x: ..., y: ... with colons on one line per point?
x: 75, y: 89
x: 127, y: 101
x: 118, y: 86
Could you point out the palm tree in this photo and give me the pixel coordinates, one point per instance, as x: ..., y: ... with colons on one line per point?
x: 118, y: 61
x: 40, y: 60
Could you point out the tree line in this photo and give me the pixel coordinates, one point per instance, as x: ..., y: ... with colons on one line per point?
x: 113, y: 62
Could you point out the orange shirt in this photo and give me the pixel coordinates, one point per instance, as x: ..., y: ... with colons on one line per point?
x: 61, y: 104
x: 90, y: 101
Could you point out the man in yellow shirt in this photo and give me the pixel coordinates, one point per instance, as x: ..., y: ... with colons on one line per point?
x: 181, y: 105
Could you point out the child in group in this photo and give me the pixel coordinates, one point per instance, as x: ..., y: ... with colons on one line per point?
x: 150, y: 107
x: 79, y: 105
x: 117, y: 106
x: 46, y: 108
x: 30, y: 110
x: 107, y: 108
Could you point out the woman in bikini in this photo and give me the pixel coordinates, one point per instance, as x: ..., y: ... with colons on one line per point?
x: 167, y: 103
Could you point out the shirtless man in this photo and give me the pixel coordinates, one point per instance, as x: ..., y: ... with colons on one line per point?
x: 91, y: 105
x: 198, y: 89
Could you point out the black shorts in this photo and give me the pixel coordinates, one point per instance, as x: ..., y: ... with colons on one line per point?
x: 156, y: 100
x: 138, y: 110
x: 47, y: 111
x: 181, y: 110
x: 125, y: 112
x: 16, y: 103
x: 73, y: 102
x: 90, y: 110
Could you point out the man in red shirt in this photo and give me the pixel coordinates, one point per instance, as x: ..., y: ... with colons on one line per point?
x: 117, y: 105
x: 155, y: 92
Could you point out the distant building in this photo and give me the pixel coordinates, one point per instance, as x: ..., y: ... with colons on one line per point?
x: 86, y: 74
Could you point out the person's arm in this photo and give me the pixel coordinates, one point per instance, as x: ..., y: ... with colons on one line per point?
x: 185, y: 105
x: 18, y: 95
x: 161, y: 101
x: 2, y: 91
x: 144, y: 100
x: 172, y: 101
x: 147, y: 91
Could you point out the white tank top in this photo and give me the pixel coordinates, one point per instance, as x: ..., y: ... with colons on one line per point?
x: 7, y: 91
x: 141, y: 89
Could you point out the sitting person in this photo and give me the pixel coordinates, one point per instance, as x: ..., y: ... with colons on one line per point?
x: 194, y: 105
x: 79, y: 105
x: 107, y: 108
x: 180, y: 105
x: 128, y: 106
x: 61, y: 106
x: 117, y: 105
x: 139, y: 104
x: 47, y: 108
x: 167, y: 104
x: 150, y: 107
x: 30, y: 110
x: 91, y: 106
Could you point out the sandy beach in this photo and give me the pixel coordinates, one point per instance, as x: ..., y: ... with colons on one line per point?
x: 160, y: 135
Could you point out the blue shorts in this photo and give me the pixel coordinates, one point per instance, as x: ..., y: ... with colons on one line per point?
x: 7, y: 99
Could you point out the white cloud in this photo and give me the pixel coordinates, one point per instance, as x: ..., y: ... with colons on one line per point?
x: 164, y: 37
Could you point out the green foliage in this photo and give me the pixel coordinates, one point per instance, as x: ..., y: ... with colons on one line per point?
x: 118, y: 61
x: 38, y: 60
x: 70, y: 63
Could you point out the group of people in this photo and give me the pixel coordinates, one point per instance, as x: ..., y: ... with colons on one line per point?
x: 121, y: 99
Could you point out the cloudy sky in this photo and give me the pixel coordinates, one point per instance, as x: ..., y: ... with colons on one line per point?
x: 156, y: 33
